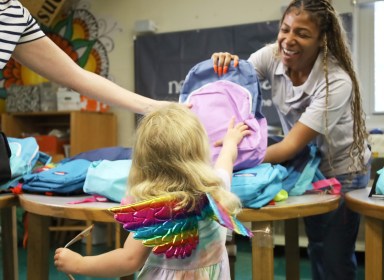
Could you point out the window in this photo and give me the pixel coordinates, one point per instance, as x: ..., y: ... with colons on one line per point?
x: 368, y: 45
x: 379, y: 57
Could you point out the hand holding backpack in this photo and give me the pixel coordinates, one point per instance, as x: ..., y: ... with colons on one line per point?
x: 215, y: 100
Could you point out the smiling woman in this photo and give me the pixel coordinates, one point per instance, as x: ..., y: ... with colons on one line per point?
x: 316, y: 92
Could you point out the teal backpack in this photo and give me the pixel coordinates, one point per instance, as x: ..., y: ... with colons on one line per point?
x: 378, y: 184
x: 24, y: 156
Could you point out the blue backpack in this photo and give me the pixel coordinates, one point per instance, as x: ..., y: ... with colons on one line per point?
x: 67, y: 178
x: 258, y: 185
x: 108, y: 178
x: 244, y: 75
x: 216, y: 99
x: 378, y: 184
x: 304, y: 174
x: 108, y: 153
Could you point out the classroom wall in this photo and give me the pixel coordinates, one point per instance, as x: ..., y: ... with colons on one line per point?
x: 169, y: 16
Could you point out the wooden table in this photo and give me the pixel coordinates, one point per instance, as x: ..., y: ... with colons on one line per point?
x: 290, y: 211
x: 8, y: 203
x: 373, y: 211
x: 40, y: 209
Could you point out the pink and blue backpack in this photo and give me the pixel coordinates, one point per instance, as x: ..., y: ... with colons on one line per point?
x: 216, y: 99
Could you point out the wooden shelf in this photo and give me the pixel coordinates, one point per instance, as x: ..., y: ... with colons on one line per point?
x: 56, y: 113
x: 88, y: 130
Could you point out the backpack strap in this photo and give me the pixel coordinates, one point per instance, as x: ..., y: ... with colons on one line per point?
x: 331, y: 185
x: 44, y: 158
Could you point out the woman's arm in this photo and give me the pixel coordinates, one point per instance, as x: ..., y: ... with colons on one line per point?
x: 45, y: 58
x: 297, y: 138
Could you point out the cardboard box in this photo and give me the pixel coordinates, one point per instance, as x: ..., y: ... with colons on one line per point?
x: 23, y: 99
x: 68, y: 100
x: 48, y: 97
x: 49, y: 12
x: 88, y: 104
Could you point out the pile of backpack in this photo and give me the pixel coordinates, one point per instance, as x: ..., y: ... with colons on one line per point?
x: 104, y: 173
x: 101, y: 172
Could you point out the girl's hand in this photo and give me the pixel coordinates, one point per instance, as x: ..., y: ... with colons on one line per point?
x: 228, y: 153
x: 221, y: 61
x: 235, y: 133
x: 67, y: 261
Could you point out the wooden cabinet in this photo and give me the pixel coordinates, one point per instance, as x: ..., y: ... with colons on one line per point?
x: 87, y: 130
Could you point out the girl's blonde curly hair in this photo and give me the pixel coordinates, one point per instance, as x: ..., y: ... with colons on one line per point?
x: 171, y: 155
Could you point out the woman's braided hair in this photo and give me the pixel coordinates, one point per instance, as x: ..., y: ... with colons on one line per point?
x: 335, y: 42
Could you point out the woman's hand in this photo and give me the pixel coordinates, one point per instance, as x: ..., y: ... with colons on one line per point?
x: 221, y: 61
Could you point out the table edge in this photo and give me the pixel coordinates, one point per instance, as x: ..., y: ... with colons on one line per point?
x: 363, y: 207
x: 286, y: 212
x: 76, y: 213
x: 8, y: 200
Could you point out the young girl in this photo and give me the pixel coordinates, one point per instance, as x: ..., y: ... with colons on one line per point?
x: 171, y: 158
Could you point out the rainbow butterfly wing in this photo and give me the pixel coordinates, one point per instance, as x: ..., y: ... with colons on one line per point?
x: 219, y: 214
x: 180, y: 239
x: 171, y: 232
